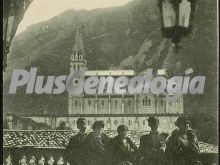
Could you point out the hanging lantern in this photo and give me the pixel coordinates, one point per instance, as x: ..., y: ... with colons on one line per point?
x: 13, y: 12
x: 176, y: 18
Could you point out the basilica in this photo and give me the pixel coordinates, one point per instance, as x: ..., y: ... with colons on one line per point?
x: 114, y: 109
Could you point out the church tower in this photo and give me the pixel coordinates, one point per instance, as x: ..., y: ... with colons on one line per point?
x: 77, y: 62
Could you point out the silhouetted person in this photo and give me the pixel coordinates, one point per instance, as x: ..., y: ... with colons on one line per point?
x: 152, y: 145
x: 75, y: 146
x: 121, y: 150
x: 182, y: 146
x: 94, y: 145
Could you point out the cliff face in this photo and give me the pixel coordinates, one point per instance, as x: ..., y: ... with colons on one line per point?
x: 110, y: 35
x: 126, y: 37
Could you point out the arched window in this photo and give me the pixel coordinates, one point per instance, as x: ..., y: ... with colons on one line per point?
x: 129, y: 103
x: 129, y: 122
x: 89, y: 102
x: 145, y: 101
x: 149, y: 102
x: 72, y: 57
x: 76, y: 103
x: 80, y: 57
x: 116, y: 103
x: 103, y: 103
x: 76, y: 81
x: 116, y: 122
x: 161, y: 102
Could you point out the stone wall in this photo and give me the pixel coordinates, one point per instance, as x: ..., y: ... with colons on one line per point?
x: 111, y: 122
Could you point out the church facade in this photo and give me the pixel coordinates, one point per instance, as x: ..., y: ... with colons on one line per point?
x: 114, y: 109
x: 136, y: 107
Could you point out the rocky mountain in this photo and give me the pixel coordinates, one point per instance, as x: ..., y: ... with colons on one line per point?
x: 125, y: 37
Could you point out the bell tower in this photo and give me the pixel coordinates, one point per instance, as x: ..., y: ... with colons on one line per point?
x: 77, y: 62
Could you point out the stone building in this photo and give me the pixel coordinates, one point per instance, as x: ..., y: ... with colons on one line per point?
x: 115, y: 109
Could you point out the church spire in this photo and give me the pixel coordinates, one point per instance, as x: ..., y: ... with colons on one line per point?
x: 77, y: 62
x: 78, y: 44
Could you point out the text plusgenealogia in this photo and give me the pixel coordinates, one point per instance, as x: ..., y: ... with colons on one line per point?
x: 76, y: 83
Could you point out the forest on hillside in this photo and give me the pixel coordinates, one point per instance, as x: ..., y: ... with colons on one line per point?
x: 131, y: 39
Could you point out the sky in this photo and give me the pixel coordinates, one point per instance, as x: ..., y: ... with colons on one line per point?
x: 42, y: 10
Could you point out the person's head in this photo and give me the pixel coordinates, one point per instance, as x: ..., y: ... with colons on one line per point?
x: 182, y: 123
x: 153, y: 122
x: 122, y: 131
x: 98, y: 127
x: 81, y: 124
